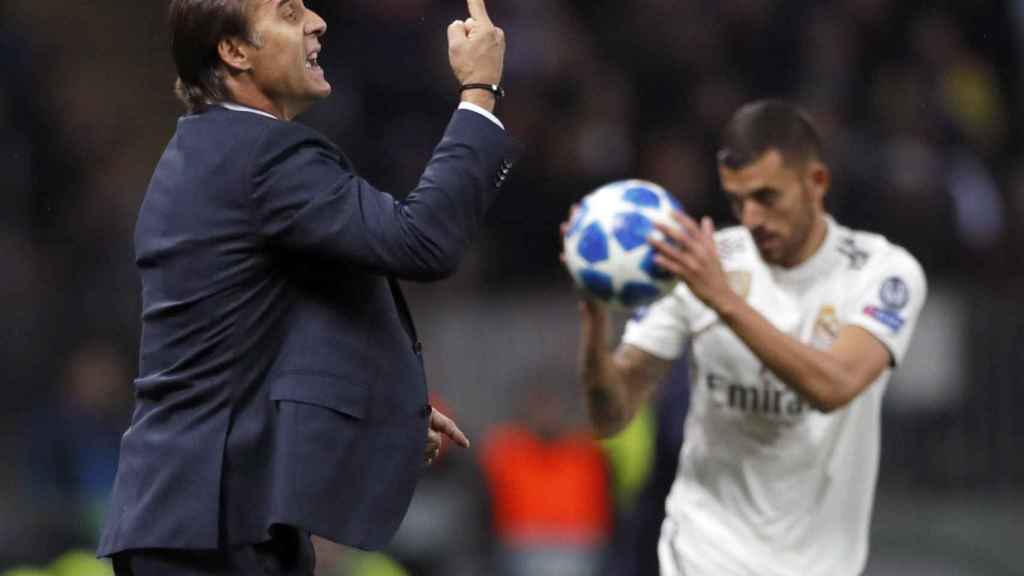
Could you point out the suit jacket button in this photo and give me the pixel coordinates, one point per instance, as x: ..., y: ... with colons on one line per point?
x: 417, y: 347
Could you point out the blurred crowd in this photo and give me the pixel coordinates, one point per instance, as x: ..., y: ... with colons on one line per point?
x: 920, y: 105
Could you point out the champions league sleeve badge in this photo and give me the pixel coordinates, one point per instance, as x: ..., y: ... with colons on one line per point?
x: 894, y: 296
x: 894, y: 293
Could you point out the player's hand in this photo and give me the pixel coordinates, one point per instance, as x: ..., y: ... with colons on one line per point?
x: 691, y: 255
x: 564, y: 227
x: 440, y: 427
x: 476, y: 50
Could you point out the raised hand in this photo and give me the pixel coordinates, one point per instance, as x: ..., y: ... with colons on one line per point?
x: 563, y: 228
x: 692, y: 256
x: 476, y: 47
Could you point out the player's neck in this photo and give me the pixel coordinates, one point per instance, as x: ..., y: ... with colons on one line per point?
x: 819, y: 230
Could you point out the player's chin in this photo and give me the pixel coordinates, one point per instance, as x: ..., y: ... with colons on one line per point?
x: 771, y: 252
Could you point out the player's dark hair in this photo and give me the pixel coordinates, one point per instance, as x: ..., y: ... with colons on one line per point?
x: 764, y: 125
x: 197, y: 27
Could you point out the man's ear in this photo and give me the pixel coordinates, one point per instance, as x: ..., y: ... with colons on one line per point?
x: 236, y: 54
x: 819, y: 178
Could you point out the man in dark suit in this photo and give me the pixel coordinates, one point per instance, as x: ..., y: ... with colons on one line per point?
x: 281, y: 389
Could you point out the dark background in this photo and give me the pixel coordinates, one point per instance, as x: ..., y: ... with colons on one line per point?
x: 919, y: 101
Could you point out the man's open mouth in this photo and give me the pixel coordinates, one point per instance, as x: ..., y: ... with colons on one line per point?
x: 313, y: 61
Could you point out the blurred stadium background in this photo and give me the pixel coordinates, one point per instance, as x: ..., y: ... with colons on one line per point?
x: 920, y: 101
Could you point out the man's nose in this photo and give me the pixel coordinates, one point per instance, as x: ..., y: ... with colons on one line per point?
x: 751, y: 214
x: 315, y: 25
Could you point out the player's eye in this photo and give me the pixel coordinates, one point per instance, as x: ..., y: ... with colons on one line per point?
x: 765, y: 196
x: 736, y: 203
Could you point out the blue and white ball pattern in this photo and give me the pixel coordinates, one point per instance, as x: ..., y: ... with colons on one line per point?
x: 606, y: 247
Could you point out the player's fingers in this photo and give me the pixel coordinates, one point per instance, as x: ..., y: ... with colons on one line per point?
x: 478, y: 11
x: 696, y: 236
x: 696, y: 239
x: 708, y: 227
x: 688, y: 224
x: 573, y: 211
x: 670, y: 266
x: 685, y: 242
x: 666, y: 249
x: 673, y: 233
x: 456, y: 31
x: 447, y: 426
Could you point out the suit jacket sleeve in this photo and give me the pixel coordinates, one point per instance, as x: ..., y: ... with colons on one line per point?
x: 308, y: 200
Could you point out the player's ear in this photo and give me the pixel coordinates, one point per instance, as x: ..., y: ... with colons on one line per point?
x: 236, y: 54
x: 818, y: 178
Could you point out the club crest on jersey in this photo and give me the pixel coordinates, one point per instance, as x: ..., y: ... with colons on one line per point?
x: 739, y: 281
x: 826, y: 328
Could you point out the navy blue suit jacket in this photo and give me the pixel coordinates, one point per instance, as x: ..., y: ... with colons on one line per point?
x: 280, y: 378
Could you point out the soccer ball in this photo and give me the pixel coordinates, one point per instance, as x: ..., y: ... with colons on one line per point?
x: 606, y: 248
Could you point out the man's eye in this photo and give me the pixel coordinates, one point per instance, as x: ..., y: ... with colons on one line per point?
x: 765, y: 197
x: 736, y: 204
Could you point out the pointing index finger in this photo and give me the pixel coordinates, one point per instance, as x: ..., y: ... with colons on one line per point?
x: 447, y: 426
x: 478, y: 11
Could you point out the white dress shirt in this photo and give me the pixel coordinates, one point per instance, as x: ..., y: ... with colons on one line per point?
x: 462, y: 106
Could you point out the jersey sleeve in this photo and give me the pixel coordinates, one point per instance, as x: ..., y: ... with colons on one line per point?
x: 889, y: 301
x: 662, y: 328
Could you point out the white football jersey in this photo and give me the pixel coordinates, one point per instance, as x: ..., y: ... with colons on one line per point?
x: 767, y: 485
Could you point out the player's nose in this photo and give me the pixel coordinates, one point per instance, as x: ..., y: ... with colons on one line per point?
x: 751, y: 215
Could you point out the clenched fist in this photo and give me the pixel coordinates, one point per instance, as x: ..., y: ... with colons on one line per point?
x: 476, y: 50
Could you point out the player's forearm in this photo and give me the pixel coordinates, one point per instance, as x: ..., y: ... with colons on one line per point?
x: 605, y: 388
x: 817, y: 376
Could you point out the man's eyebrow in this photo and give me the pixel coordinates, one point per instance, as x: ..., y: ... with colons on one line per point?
x: 756, y: 192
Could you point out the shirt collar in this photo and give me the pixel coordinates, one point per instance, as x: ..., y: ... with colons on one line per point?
x: 240, y: 108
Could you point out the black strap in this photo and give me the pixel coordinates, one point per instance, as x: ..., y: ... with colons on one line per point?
x: 497, y: 90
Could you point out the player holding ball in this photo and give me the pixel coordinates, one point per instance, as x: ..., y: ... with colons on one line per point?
x: 794, y: 323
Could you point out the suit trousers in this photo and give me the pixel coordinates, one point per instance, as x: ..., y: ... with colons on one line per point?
x: 288, y: 552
